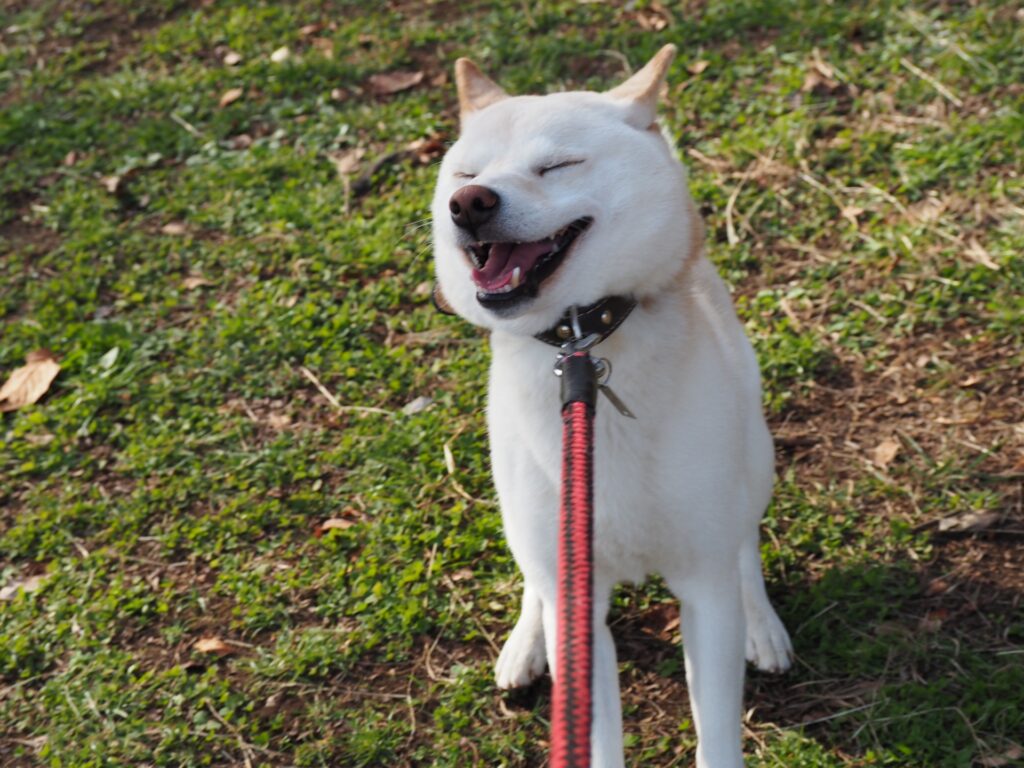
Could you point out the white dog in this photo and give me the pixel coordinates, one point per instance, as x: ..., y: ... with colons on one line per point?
x: 546, y: 202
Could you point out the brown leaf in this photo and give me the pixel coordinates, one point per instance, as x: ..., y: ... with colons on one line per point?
x: 230, y: 96
x: 346, y: 161
x: 969, y: 522
x: 213, y: 644
x: 976, y: 252
x: 386, y: 83
x: 885, y: 452
x: 325, y: 45
x: 696, y: 67
x: 338, y: 94
x: 70, y: 158
x: 338, y: 523
x: 425, y: 151
x: 175, y: 228
x: 231, y: 59
x: 111, y: 183
x: 310, y: 29
x: 281, y: 54
x: 27, y: 585
x: 194, y: 281
x: 820, y: 78
x: 30, y: 382
x: 279, y: 421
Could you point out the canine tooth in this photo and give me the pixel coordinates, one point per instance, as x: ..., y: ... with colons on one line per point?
x: 516, y: 277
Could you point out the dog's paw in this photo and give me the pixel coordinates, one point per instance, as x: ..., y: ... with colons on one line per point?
x: 522, y: 660
x: 768, y: 644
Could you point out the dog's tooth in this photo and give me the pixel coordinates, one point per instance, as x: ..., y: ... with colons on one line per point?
x: 516, y: 277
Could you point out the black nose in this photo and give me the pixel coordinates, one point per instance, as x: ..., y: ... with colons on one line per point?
x: 473, y: 205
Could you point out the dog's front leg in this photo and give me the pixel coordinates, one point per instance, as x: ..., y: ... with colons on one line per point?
x: 606, y: 728
x: 712, y: 622
x: 523, y: 658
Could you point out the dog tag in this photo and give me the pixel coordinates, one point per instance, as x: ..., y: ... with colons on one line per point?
x: 620, y: 406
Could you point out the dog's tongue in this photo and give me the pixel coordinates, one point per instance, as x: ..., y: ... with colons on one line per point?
x: 503, y: 258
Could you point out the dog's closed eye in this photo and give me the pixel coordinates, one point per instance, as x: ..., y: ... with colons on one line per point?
x: 547, y: 168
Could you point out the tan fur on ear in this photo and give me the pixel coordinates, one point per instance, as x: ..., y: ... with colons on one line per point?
x: 476, y: 90
x: 644, y: 85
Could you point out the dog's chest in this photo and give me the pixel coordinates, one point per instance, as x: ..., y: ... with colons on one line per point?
x: 526, y: 437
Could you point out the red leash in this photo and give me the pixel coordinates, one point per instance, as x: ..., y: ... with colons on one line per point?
x: 571, y: 698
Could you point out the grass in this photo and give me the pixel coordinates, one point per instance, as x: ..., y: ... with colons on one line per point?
x: 859, y: 168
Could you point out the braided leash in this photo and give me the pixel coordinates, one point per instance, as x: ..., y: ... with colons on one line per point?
x: 571, y: 698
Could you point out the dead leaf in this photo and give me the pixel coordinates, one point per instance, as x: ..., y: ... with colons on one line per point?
x: 310, y: 29
x: 338, y: 523
x: 214, y: 645
x: 417, y: 405
x: 425, y: 151
x: 194, y: 281
x: 27, y: 585
x: 933, y: 620
x: 232, y: 59
x: 338, y: 94
x: 30, y: 382
x: 111, y: 183
x: 279, y: 421
x: 654, y: 18
x: 1010, y: 757
x: 976, y: 252
x: 332, y: 524
x: 885, y: 452
x: 821, y: 76
x: 175, y: 228
x: 346, y: 161
x: 386, y: 83
x: 281, y: 54
x: 40, y: 439
x: 969, y: 522
x: 696, y: 67
x: 70, y: 158
x: 325, y: 45
x: 230, y: 96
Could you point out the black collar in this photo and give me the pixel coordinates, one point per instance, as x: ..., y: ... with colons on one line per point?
x: 600, y: 318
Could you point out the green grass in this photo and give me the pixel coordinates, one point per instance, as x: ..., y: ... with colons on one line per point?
x: 171, y: 485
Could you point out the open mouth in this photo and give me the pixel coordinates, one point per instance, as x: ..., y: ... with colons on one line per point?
x: 504, y: 273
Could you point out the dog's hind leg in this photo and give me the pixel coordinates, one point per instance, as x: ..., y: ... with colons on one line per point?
x: 768, y: 644
x: 523, y: 658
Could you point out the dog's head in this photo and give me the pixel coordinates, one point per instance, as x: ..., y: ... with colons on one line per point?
x: 549, y: 201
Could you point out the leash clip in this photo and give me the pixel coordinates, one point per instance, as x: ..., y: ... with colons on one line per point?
x: 577, y: 350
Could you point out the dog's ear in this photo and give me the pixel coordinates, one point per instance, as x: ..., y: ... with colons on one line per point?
x: 476, y: 90
x: 641, y: 91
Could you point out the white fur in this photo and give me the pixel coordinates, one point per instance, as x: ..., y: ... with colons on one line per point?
x: 681, y: 490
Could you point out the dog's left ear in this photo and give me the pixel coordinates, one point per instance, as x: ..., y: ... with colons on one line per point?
x: 476, y: 90
x: 641, y: 91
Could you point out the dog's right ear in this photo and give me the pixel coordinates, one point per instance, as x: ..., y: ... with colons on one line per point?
x: 476, y: 90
